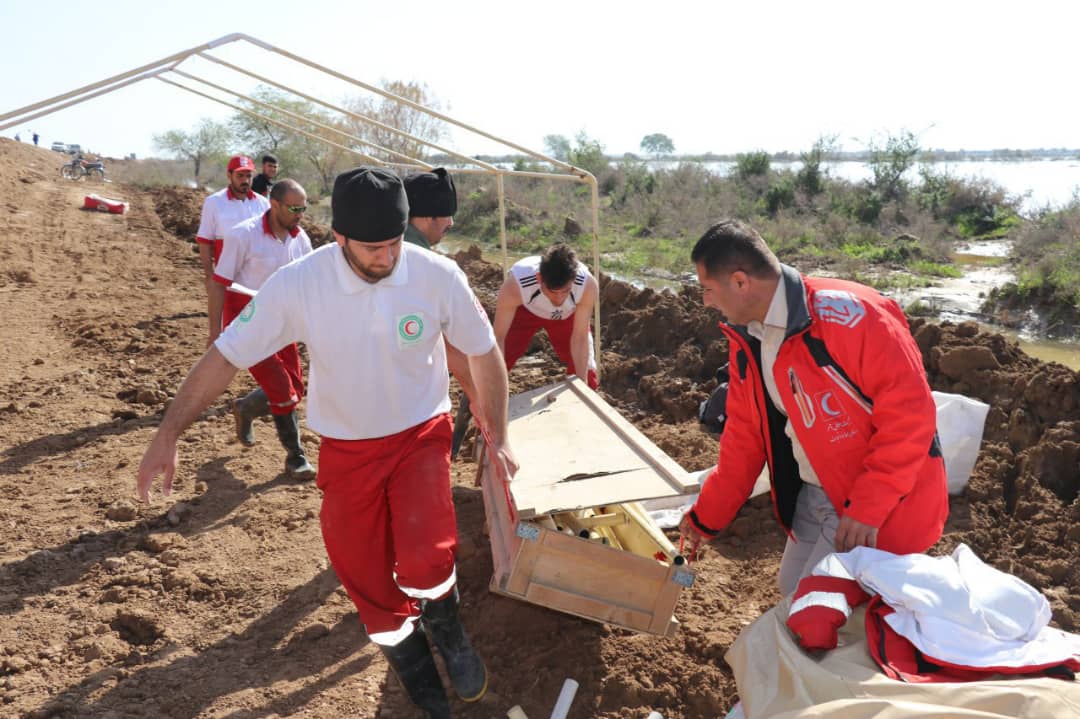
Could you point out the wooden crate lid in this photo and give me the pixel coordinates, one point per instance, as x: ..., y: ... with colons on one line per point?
x: 576, y: 451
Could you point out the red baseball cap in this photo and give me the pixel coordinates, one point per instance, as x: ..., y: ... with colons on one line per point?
x: 240, y: 162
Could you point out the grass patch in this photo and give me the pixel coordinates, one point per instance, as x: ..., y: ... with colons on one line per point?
x: 935, y: 269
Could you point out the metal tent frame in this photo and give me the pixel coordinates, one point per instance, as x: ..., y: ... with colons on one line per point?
x: 167, y: 69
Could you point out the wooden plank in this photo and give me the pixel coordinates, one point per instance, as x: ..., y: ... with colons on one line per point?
x: 528, y: 554
x: 501, y: 535
x: 664, y: 606
x: 679, y: 479
x: 575, y: 451
x: 587, y: 607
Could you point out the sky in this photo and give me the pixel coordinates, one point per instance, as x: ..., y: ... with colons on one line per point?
x: 714, y: 76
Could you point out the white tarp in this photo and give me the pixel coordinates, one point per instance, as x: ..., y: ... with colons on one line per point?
x: 778, y: 680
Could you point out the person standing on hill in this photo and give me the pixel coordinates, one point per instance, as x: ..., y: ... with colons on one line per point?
x: 373, y: 312
x: 251, y: 252
x: 35, y: 136
x: 220, y: 211
x: 265, y: 180
x: 432, y: 204
x: 827, y: 388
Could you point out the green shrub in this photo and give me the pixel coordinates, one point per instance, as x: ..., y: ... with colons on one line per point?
x: 751, y: 164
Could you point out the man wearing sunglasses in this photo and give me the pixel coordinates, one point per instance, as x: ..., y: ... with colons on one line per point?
x: 234, y: 203
x: 251, y: 252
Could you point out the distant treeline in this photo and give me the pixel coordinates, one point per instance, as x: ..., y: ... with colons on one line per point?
x: 926, y: 155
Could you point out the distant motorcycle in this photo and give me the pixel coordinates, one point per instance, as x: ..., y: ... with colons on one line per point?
x: 79, y: 168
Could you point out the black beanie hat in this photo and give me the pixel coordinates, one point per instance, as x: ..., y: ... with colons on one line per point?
x: 369, y: 205
x: 431, y: 194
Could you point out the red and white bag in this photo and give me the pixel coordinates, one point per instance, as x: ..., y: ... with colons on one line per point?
x: 104, y: 204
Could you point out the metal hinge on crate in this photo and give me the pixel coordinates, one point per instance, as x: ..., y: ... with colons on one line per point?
x: 683, y: 577
x: 528, y: 531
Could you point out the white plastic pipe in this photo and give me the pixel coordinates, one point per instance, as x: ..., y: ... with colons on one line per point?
x: 566, y: 698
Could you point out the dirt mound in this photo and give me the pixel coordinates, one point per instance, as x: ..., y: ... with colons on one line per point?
x: 181, y: 207
x: 221, y: 596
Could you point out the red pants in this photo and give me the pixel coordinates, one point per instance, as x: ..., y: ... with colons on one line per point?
x: 388, y: 523
x: 525, y: 324
x: 280, y: 375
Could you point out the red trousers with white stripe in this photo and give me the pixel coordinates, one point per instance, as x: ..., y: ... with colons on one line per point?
x: 522, y: 328
x: 280, y: 375
x: 388, y: 523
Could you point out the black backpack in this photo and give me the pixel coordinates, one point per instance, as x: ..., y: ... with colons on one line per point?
x: 713, y: 412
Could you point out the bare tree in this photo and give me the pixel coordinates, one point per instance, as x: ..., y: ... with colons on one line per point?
x: 298, y: 154
x: 398, y: 115
x: 208, y: 140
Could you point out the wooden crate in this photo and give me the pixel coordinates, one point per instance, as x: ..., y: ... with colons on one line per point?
x: 583, y: 469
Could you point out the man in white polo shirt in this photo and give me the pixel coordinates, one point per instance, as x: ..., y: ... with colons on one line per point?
x: 221, y: 210
x: 250, y: 253
x: 373, y: 313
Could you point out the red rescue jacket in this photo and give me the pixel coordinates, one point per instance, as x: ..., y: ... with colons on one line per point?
x: 851, y: 379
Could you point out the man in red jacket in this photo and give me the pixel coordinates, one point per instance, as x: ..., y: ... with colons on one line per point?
x: 828, y: 388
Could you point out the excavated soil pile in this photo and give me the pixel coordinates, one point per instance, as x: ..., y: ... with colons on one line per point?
x: 179, y: 209
x: 218, y: 601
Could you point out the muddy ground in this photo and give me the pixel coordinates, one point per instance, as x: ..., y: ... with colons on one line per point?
x: 218, y: 602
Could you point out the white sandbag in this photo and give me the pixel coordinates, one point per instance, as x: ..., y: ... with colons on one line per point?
x: 960, y: 422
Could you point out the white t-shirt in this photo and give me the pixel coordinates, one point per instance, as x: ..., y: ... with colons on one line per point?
x: 250, y: 252
x: 378, y: 362
x: 222, y: 210
x: 524, y: 272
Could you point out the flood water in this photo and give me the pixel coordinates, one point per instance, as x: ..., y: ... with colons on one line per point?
x: 984, y: 266
x: 1037, y: 183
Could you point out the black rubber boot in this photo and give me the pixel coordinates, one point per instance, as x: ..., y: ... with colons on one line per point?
x: 466, y: 668
x: 245, y: 410
x: 461, y: 424
x: 414, y: 666
x: 288, y: 431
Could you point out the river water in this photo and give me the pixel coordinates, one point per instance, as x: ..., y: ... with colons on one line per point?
x: 1037, y: 184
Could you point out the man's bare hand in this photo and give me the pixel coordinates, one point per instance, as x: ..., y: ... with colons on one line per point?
x: 503, y: 461
x: 851, y: 533
x: 160, y: 458
x: 690, y: 539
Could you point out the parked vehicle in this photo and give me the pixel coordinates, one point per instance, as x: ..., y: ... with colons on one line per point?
x: 74, y: 149
x: 59, y: 147
x: 79, y: 168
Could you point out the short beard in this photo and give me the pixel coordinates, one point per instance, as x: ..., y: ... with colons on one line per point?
x: 364, y: 273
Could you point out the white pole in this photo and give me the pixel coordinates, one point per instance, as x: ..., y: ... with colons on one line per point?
x: 566, y: 698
